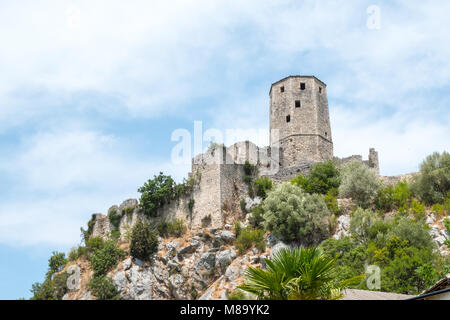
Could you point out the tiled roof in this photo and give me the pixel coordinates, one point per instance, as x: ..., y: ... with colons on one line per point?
x: 354, y: 294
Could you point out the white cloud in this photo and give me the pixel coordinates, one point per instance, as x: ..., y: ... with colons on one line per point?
x: 62, y: 176
x: 154, y: 57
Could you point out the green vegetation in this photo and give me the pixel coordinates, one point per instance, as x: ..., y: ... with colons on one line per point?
x: 393, y: 197
x: 103, y: 288
x: 236, y: 295
x: 256, y: 218
x: 432, y: 184
x: 293, y: 215
x: 162, y: 189
x: 297, y: 274
x: 174, y: 228
x: 322, y: 178
x: 400, y: 246
x: 249, y: 172
x: 248, y: 237
x: 114, y: 218
x: 144, y: 241
x: 56, y: 262
x: 262, y: 186
x: 157, y: 192
x: 87, y: 233
x: 76, y: 253
x: 359, y: 183
x: 105, y: 258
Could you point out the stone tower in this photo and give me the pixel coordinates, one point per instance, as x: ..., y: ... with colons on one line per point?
x: 299, y: 113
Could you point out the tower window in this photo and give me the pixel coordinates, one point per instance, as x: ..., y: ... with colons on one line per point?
x: 288, y: 118
x: 282, y: 89
x: 320, y: 89
x: 297, y: 104
x: 326, y: 134
x: 302, y: 86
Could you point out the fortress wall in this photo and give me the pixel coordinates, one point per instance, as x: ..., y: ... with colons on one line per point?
x: 232, y: 190
x: 207, y: 196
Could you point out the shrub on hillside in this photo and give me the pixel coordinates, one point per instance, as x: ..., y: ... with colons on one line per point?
x: 415, y: 232
x: 249, y: 237
x: 432, y: 184
x: 293, y: 215
x: 77, y: 252
x: 393, y: 197
x: 104, y: 259
x: 114, y: 218
x: 360, y: 183
x: 361, y: 222
x: 144, y: 241
x: 103, y: 288
x: 56, y: 262
x: 43, y: 291
x: 262, y: 186
x: 174, y: 228
x: 256, y: 217
x: 322, y: 178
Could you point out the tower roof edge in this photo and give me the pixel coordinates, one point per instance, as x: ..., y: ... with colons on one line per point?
x: 295, y: 76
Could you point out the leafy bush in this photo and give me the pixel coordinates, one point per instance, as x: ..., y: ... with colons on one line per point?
x: 352, y: 257
x: 174, y: 228
x: 103, y: 288
x: 415, y: 232
x: 393, y: 197
x: 114, y: 218
x: 236, y: 295
x: 157, y: 192
x: 60, y: 285
x: 43, y: 291
x: 249, y: 237
x: 256, y: 218
x: 262, y: 186
x: 249, y: 174
x: 360, y: 183
x: 432, y: 184
x: 321, y: 179
x: 104, y: 259
x: 293, y: 215
x: 56, y: 262
x: 361, y: 222
x: 144, y: 241
x: 332, y: 204
x: 51, y: 289
x: 92, y: 244
x: 76, y: 253
x: 447, y: 224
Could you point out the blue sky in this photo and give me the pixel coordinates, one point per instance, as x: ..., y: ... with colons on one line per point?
x: 91, y: 91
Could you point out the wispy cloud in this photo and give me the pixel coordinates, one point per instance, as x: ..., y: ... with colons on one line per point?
x: 74, y: 72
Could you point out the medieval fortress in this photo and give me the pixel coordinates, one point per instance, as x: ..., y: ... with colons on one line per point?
x: 300, y: 135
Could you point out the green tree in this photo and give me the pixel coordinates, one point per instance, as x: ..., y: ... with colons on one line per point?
x: 432, y: 184
x: 56, y: 262
x: 298, y: 274
x: 157, y: 192
x: 293, y: 215
x: 360, y: 183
